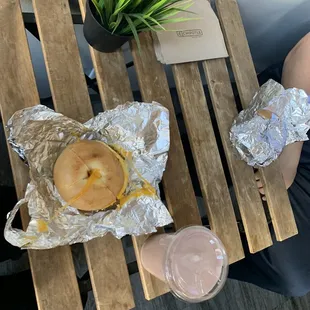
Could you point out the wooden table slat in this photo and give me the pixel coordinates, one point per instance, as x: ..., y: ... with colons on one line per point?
x: 114, y: 87
x: 70, y: 97
x: 52, y: 270
x: 244, y: 71
x: 207, y: 158
x: 62, y: 59
x: 109, y: 273
x: 249, y: 200
x: 177, y: 183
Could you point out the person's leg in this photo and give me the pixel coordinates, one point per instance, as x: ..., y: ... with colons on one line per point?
x: 285, y: 266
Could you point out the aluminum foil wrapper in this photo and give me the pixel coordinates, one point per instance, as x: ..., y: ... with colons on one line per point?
x: 275, y: 118
x: 39, y: 135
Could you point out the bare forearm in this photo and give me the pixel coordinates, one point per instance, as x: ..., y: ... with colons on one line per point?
x: 289, y: 160
x: 296, y: 73
x: 296, y: 69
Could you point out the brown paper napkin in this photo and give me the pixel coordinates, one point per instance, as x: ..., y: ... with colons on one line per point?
x: 191, y: 40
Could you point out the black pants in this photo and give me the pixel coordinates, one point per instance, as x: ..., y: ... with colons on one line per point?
x: 285, y: 266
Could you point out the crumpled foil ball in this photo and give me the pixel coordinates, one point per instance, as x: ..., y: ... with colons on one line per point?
x: 275, y: 118
x: 39, y: 134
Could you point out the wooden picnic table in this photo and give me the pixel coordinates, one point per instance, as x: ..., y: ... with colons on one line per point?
x: 53, y: 272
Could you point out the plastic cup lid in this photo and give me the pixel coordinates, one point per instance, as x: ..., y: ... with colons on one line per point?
x: 196, y: 264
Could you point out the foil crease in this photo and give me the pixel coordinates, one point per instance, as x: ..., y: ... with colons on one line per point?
x: 39, y: 134
x: 260, y: 140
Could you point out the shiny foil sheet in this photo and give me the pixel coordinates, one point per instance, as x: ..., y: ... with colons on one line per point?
x: 39, y: 135
x: 275, y: 118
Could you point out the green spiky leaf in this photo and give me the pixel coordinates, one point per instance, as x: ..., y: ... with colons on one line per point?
x: 117, y: 22
x: 129, y: 17
x: 141, y: 18
x: 134, y: 30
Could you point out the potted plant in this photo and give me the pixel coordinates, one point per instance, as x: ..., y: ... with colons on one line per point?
x: 111, y: 23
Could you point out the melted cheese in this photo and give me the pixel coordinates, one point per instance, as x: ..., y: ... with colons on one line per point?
x: 42, y: 226
x: 121, y: 154
x: 94, y: 176
x: 146, y: 190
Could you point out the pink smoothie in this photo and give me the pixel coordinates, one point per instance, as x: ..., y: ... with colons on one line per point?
x: 193, y: 262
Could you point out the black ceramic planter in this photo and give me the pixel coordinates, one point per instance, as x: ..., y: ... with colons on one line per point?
x: 97, y: 36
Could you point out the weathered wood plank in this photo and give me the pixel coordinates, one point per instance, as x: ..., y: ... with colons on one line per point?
x: 62, y: 58
x: 70, y: 97
x: 177, y: 183
x: 207, y: 158
x: 52, y: 270
x: 238, y: 49
x: 111, y: 291
x: 244, y: 71
x: 249, y: 201
x: 115, y: 89
x: 109, y: 274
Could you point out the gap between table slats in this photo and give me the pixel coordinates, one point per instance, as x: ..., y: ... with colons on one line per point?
x: 244, y: 71
x: 207, y: 158
x: 114, y: 87
x: 249, y: 200
x: 52, y: 270
x: 105, y: 256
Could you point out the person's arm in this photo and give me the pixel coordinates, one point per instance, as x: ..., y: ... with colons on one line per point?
x: 289, y: 160
x: 296, y: 73
x: 296, y: 69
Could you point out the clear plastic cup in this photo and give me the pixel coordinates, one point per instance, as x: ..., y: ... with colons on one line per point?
x: 192, y: 261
